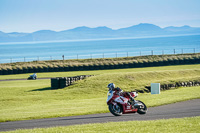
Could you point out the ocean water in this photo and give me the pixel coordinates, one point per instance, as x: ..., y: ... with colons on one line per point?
x: 83, y: 49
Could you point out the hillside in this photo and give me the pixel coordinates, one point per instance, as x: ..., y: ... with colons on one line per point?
x: 140, y: 30
x: 34, y: 99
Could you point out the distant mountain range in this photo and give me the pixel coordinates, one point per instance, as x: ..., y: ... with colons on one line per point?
x: 140, y: 30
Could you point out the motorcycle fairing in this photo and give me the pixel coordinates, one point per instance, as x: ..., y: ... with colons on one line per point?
x: 121, y: 100
x: 127, y: 108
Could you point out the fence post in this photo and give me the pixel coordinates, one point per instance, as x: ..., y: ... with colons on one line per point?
x: 151, y: 52
x: 63, y: 56
x: 194, y: 50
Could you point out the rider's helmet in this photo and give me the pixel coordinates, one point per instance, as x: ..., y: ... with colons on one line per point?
x: 111, y: 86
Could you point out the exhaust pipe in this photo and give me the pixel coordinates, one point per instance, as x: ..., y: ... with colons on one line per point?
x: 138, y: 105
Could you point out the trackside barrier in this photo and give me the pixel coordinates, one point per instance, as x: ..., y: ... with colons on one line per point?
x: 177, y: 84
x: 62, y: 82
x: 101, y: 66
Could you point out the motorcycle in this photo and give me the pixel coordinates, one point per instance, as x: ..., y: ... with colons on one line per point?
x: 119, y: 105
x: 32, y: 77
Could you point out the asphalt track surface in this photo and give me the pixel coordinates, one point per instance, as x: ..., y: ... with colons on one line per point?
x: 189, y: 108
x: 20, y: 79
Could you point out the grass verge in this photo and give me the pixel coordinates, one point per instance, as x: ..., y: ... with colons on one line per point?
x: 22, y: 100
x: 179, y: 125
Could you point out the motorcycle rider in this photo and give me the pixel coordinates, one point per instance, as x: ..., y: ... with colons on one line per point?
x: 120, y: 92
x: 34, y: 76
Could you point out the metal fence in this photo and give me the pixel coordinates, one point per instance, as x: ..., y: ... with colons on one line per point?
x: 103, y: 55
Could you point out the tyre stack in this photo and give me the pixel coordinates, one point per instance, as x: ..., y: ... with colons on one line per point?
x: 55, y: 83
x: 68, y: 81
x: 62, y: 82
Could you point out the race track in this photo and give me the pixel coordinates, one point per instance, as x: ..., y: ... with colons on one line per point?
x: 178, y: 110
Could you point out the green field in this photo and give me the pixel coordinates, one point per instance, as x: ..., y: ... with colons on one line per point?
x: 181, y: 125
x: 22, y: 100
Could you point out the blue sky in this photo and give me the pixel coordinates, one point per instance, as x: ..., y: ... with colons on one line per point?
x: 58, y: 15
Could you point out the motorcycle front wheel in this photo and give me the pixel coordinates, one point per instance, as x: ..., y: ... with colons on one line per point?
x: 143, y: 109
x: 115, y: 109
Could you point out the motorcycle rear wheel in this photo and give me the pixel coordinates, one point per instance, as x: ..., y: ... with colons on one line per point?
x: 142, y: 110
x: 115, y: 109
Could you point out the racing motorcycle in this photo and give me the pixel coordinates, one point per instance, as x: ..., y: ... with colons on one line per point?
x: 119, y: 105
x: 32, y: 77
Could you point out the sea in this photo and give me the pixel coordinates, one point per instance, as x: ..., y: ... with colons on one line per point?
x: 98, y: 48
